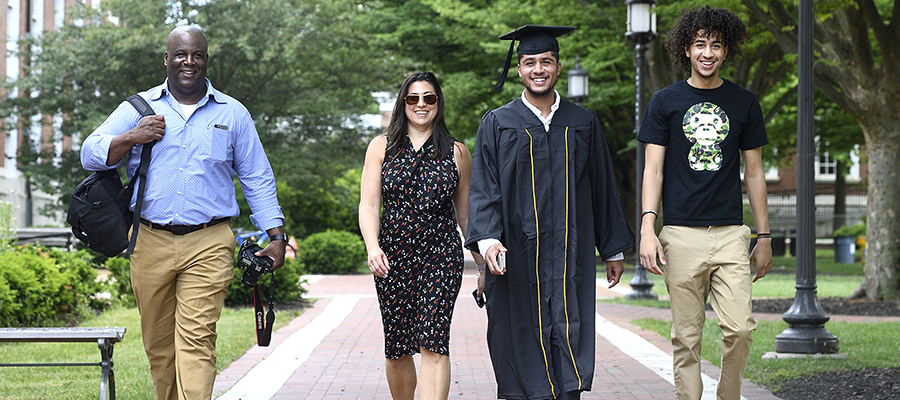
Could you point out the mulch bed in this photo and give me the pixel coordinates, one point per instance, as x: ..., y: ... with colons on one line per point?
x: 834, y: 306
x: 868, y: 384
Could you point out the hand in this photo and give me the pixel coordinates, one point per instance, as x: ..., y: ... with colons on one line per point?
x: 650, y: 250
x: 614, y: 271
x: 378, y: 263
x: 491, y: 258
x: 480, y: 278
x: 275, y: 251
x: 761, y: 258
x: 150, y: 128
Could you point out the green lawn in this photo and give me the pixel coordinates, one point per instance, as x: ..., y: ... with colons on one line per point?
x: 780, y: 285
x: 833, y: 279
x: 867, y: 345
x: 236, y: 335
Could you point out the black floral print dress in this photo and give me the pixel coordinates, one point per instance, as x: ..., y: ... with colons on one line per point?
x: 419, y: 235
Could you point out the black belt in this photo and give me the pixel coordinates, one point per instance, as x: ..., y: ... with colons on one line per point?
x: 183, y: 229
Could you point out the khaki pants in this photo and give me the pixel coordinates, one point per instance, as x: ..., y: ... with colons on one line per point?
x: 709, y: 262
x: 180, y: 284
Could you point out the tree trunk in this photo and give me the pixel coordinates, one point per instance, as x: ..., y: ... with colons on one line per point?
x: 882, y: 269
x: 858, y: 67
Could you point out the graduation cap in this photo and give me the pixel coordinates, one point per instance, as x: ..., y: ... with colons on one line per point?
x: 533, y: 39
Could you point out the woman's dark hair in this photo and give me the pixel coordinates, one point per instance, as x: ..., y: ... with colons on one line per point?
x: 396, y: 133
x: 718, y: 22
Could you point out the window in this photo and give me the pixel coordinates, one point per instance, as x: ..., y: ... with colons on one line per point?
x: 826, y: 167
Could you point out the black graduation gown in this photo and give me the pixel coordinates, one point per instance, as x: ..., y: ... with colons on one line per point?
x: 550, y: 198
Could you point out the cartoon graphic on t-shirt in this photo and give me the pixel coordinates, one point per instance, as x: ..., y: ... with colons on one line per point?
x: 705, y: 125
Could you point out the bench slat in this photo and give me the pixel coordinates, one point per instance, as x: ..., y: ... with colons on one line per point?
x: 115, y: 334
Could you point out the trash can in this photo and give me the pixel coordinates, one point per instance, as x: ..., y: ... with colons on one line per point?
x: 778, y: 242
x: 844, y: 249
x: 792, y: 237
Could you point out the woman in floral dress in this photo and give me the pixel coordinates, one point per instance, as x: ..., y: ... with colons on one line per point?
x: 419, y: 174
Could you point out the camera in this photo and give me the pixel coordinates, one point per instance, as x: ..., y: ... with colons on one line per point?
x: 252, y: 265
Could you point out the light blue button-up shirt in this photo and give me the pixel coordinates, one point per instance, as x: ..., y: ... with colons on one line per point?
x: 190, y: 180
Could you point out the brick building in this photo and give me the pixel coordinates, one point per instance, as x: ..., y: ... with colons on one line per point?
x: 782, y: 190
x: 19, y: 19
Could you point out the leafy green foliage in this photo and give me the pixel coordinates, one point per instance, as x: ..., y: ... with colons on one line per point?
x: 119, y: 280
x: 46, y: 287
x: 287, y: 283
x: 332, y: 252
x: 457, y: 39
x: 854, y: 230
x: 304, y: 69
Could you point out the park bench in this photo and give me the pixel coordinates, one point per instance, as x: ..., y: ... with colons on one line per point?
x: 104, y: 337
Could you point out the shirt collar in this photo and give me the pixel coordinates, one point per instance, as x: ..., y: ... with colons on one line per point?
x: 537, y: 112
x: 161, y: 91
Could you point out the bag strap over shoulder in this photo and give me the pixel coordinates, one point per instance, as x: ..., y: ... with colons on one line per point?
x: 141, y: 105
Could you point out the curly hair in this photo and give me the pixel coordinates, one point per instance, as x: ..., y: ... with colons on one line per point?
x: 718, y: 22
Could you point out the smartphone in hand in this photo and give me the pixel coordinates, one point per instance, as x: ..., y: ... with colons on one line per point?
x: 501, y: 260
x: 478, y: 300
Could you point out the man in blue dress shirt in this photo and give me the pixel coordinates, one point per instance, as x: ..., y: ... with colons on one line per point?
x: 182, y: 264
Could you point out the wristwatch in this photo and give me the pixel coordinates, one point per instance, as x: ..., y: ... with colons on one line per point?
x: 279, y: 236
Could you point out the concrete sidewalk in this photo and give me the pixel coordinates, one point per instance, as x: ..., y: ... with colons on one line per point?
x: 334, y: 350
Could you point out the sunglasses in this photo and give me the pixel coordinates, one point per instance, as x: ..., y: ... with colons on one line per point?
x: 413, y: 99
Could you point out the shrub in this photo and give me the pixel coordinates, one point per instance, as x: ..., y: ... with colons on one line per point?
x: 332, y: 252
x: 287, y: 285
x: 855, y: 230
x: 119, y: 280
x: 83, y: 271
x: 40, y: 287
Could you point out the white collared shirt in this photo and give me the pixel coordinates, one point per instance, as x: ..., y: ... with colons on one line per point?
x: 537, y: 112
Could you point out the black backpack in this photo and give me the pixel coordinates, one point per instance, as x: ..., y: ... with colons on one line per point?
x: 98, y: 209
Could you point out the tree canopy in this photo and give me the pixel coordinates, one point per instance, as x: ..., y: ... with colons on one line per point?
x: 306, y: 71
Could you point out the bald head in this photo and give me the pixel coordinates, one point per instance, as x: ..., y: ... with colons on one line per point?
x: 192, y: 32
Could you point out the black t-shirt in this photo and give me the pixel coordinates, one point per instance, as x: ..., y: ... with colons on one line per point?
x: 704, y: 131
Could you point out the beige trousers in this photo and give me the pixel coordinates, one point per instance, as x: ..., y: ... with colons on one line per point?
x: 180, y: 284
x: 709, y: 262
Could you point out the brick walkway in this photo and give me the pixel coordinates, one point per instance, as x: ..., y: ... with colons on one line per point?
x: 348, y: 362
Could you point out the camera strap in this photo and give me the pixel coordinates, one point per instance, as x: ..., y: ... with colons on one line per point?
x: 264, y: 325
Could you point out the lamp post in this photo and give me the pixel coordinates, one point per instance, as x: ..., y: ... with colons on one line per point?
x: 578, y: 83
x: 806, y: 319
x: 641, y: 30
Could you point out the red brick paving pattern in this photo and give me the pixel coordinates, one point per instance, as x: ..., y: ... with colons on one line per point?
x: 349, y: 362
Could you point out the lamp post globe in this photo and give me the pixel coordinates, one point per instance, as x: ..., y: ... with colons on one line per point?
x: 578, y: 83
x: 641, y: 21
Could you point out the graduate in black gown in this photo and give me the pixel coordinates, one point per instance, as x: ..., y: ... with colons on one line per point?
x: 543, y: 192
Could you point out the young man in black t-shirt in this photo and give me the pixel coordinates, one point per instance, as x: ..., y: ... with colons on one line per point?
x: 695, y: 132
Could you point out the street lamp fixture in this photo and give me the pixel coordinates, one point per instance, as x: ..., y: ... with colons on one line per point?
x: 641, y: 21
x: 641, y: 30
x: 578, y: 83
x: 806, y: 333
